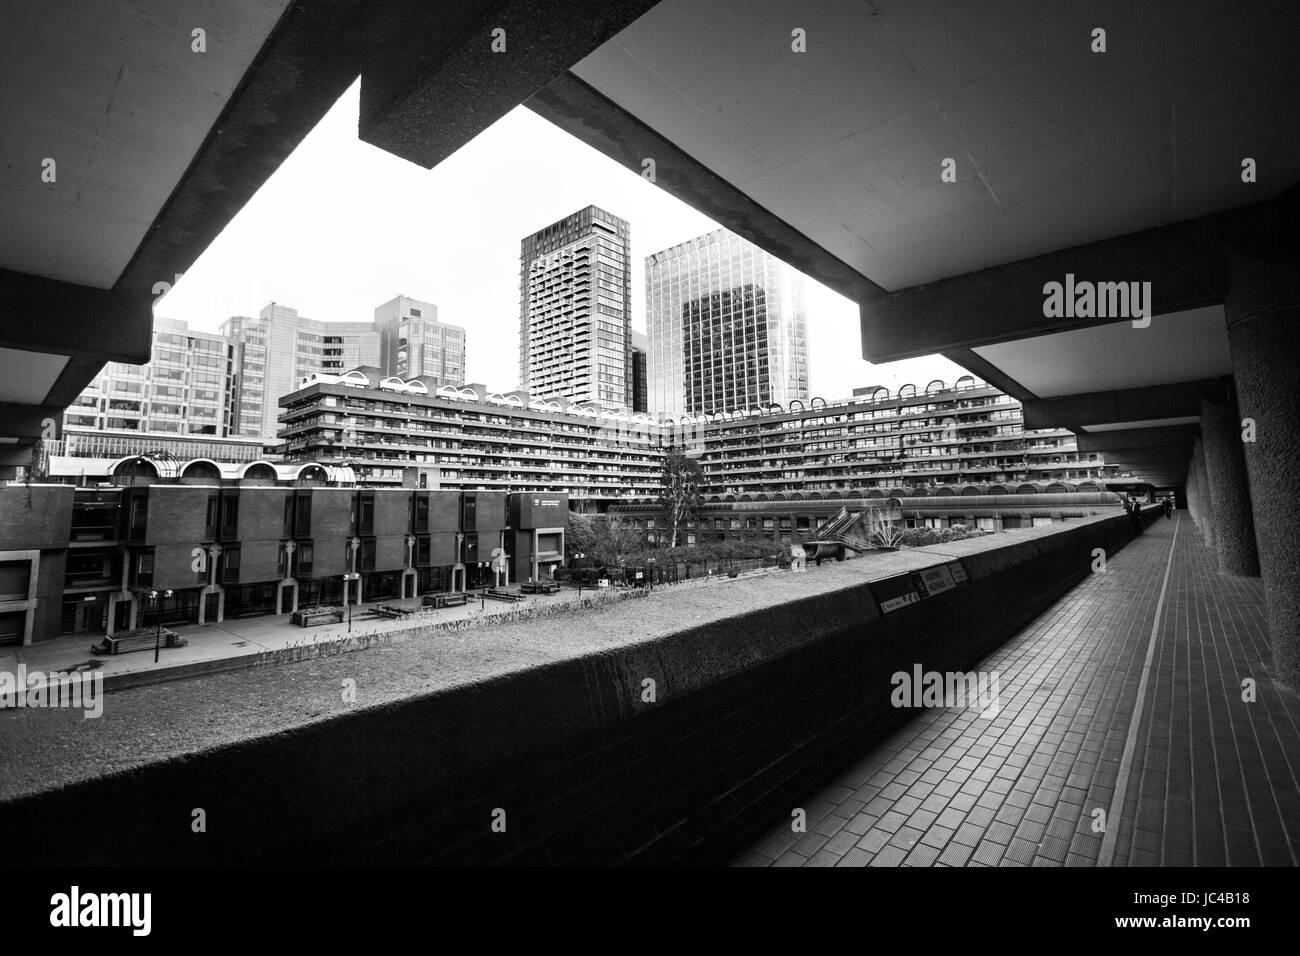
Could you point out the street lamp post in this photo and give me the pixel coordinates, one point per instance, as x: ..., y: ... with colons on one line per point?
x: 651, y: 562
x: 578, y: 556
x: 157, y: 638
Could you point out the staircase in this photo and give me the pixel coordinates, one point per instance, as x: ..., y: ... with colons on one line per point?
x: 847, y: 528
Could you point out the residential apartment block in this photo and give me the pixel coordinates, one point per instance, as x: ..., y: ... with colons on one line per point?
x: 274, y: 350
x: 184, y: 390
x: 470, y: 438
x: 79, y: 561
x: 967, y: 434
x: 412, y: 342
x: 575, y: 332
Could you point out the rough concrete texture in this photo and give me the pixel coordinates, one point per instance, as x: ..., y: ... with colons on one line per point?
x: 1263, y: 313
x: 1229, y: 488
x: 1203, y: 510
x: 760, y: 685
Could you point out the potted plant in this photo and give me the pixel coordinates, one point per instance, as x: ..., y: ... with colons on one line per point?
x: 883, y: 533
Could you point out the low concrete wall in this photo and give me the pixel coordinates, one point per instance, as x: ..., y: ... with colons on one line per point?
x: 751, y: 712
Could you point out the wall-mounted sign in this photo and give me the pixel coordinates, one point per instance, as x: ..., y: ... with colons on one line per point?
x: 958, y: 572
x: 932, y: 581
x: 894, y: 593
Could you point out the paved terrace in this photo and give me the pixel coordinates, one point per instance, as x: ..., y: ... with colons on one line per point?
x: 1125, y: 696
x: 247, y: 642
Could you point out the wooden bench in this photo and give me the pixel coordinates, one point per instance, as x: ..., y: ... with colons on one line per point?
x: 445, y: 599
x: 504, y: 594
x: 139, y: 640
x: 540, y: 587
x: 388, y: 611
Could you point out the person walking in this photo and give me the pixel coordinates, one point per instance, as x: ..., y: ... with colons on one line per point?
x: 1134, y: 514
x: 1168, y: 506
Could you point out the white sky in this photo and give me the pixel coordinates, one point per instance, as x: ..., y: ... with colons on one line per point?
x: 343, y: 226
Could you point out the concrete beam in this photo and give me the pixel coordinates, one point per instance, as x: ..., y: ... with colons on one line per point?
x: 1175, y: 400
x: 1184, y: 262
x: 589, y: 116
x: 46, y: 315
x: 309, y: 60
x: 435, y: 75
x: 1175, y: 436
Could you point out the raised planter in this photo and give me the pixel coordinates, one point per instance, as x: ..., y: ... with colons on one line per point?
x: 312, y: 616
x: 141, y: 639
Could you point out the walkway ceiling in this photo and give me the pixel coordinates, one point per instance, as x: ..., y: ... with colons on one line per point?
x: 1116, y: 166
x: 158, y: 145
x: 1123, y: 165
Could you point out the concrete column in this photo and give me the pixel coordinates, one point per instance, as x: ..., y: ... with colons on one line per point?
x: 1228, y: 487
x: 1203, y: 513
x: 1263, y: 314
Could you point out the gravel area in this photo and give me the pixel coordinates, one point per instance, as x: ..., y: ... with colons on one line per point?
x: 43, y: 749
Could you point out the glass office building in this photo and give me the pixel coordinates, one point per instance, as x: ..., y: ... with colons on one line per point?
x: 727, y: 327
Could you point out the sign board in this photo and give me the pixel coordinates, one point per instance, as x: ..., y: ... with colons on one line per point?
x: 894, y: 593
x: 639, y: 575
x: 932, y: 581
x: 540, y: 510
x: 958, y: 572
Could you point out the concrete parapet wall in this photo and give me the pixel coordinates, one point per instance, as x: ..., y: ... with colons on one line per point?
x: 750, y: 711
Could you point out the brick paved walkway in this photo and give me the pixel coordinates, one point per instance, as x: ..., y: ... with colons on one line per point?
x: 1204, y: 777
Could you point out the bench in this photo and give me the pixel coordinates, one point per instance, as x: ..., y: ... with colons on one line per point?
x: 142, y: 639
x: 504, y: 594
x: 447, y: 599
x: 388, y: 611
x: 540, y: 587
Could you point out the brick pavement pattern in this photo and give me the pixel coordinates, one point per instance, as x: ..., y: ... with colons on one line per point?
x: 1212, y: 779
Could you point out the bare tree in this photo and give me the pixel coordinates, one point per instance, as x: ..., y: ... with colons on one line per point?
x: 680, y: 499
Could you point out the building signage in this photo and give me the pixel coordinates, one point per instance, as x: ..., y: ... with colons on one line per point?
x: 958, y: 572
x: 932, y: 581
x: 894, y: 593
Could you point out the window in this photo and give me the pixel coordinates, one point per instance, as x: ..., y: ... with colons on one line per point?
x: 230, y: 565
x: 302, y: 558
x: 367, y: 554
x: 421, y: 513
x: 229, y: 517
x: 142, y: 568
x: 468, y: 512
x: 210, y: 522
x: 366, y: 513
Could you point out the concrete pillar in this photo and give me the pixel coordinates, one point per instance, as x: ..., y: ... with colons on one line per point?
x: 1263, y: 314
x: 1225, y: 472
x: 1203, y: 513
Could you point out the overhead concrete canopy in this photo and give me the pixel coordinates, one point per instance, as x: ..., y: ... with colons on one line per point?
x: 823, y: 133
x: 132, y: 135
x: 1055, y: 145
x: 114, y: 93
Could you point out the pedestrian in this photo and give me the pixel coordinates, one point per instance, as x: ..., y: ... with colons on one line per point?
x: 1134, y: 515
x: 1168, y: 506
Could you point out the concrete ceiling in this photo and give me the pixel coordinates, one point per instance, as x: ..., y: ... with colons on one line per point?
x: 1178, y: 347
x: 1055, y: 145
x: 1144, y: 423
x: 113, y: 92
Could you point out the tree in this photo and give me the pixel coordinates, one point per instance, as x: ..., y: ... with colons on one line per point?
x: 602, y: 538
x: 681, y: 498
